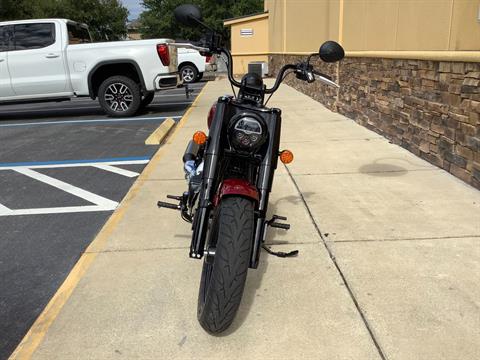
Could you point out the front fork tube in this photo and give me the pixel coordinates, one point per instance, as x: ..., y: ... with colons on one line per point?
x: 200, y: 225
x: 261, y: 226
x: 202, y: 215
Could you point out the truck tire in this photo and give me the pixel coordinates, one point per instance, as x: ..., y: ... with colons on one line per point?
x: 188, y: 73
x: 224, y: 275
x: 119, y: 96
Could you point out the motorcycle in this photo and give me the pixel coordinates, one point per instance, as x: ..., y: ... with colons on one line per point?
x: 230, y: 175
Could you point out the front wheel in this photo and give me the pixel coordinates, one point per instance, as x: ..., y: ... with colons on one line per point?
x: 225, y: 267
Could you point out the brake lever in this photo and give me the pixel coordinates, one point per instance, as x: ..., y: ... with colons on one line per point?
x: 327, y: 80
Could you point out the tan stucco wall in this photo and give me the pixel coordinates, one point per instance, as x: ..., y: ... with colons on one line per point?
x: 411, y: 25
x: 251, y: 44
x: 246, y: 49
x: 240, y: 62
x: 417, y: 28
x: 301, y: 25
x: 365, y: 25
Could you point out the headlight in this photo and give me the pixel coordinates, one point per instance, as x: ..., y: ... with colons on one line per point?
x: 247, y: 132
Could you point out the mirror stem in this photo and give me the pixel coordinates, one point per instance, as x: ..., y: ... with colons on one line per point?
x: 201, y: 23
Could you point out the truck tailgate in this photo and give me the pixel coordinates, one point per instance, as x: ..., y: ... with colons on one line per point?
x: 173, y: 58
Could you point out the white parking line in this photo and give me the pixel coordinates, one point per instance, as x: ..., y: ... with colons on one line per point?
x: 90, y: 121
x: 79, y: 164
x: 4, y: 210
x: 57, y: 210
x: 84, y: 194
x: 85, y: 108
x: 100, y: 203
x: 117, y: 170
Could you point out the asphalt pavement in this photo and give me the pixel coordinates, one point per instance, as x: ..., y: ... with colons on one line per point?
x: 64, y: 168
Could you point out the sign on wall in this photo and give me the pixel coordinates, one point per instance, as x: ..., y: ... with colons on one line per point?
x: 246, y: 32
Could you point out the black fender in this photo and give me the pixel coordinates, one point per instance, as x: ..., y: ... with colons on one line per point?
x: 113, y: 62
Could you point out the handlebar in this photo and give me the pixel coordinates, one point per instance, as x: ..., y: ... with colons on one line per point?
x: 327, y: 80
x: 299, y: 68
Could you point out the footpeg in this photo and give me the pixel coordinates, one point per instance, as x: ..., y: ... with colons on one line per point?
x: 163, y: 204
x: 273, y: 222
x: 181, y: 206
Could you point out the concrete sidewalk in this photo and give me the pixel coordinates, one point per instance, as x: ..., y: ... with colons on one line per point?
x: 389, y: 261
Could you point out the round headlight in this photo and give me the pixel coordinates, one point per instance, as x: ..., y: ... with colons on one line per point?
x: 247, y: 132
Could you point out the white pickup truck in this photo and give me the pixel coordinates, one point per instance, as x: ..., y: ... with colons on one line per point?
x: 54, y: 59
x: 192, y: 65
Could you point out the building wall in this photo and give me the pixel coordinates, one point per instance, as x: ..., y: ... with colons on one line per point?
x: 301, y: 25
x: 359, y: 25
x: 411, y: 25
x: 246, y: 49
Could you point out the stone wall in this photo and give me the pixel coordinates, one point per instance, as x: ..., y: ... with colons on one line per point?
x: 431, y: 108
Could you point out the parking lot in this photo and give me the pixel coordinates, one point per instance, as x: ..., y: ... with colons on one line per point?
x: 64, y: 168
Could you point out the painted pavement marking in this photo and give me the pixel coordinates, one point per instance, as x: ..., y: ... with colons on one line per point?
x: 100, y: 203
x: 71, y: 122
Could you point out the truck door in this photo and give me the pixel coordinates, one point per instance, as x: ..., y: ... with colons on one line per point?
x: 5, y: 84
x: 36, y: 62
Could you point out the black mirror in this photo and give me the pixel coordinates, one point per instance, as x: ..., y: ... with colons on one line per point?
x: 331, y: 51
x: 189, y: 15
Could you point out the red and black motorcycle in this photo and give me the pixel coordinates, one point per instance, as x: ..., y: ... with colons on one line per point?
x: 230, y: 175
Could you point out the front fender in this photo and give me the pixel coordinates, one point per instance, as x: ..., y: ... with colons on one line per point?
x: 238, y: 187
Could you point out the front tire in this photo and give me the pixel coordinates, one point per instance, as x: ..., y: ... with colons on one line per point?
x: 224, y: 274
x: 119, y: 96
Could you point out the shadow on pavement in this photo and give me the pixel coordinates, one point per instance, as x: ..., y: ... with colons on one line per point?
x: 384, y: 170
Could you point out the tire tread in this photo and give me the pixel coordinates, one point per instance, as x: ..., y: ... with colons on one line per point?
x: 232, y: 259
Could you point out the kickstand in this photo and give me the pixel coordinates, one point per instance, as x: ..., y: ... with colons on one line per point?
x: 188, y: 91
x: 280, y: 253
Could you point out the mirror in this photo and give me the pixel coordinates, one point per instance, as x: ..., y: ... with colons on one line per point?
x: 189, y: 15
x: 331, y: 51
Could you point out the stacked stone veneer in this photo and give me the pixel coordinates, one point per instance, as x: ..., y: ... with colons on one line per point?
x: 431, y: 108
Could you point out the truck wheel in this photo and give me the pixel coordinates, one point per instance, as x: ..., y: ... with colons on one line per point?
x: 147, y: 99
x: 119, y: 96
x: 188, y: 73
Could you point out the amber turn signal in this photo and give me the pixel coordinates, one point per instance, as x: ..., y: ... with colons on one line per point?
x: 199, y: 138
x: 286, y: 156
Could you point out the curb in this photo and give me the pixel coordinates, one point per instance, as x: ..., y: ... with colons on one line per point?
x: 34, y: 337
x: 161, y: 132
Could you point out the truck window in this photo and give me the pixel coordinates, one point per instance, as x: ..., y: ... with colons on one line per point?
x: 2, y: 39
x: 33, y: 36
x: 5, y: 37
x: 78, y: 34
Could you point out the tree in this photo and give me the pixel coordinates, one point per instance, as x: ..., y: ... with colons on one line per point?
x: 107, y: 19
x: 158, y: 20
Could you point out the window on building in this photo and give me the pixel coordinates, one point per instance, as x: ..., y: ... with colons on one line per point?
x: 34, y: 36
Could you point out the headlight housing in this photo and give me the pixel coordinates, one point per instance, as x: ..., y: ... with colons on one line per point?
x: 247, y: 132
